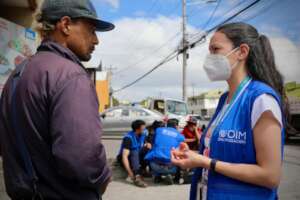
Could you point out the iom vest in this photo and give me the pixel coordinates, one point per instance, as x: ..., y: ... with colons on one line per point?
x: 137, y: 143
x: 166, y: 138
x: 232, y: 141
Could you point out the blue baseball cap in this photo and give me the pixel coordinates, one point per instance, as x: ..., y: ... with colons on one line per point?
x: 53, y: 10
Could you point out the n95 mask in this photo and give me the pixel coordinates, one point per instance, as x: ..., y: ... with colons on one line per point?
x: 217, y: 66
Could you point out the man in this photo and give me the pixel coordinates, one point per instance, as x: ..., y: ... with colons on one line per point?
x: 50, y: 129
x: 132, y: 152
x: 155, y: 125
x: 192, y: 134
x: 166, y: 138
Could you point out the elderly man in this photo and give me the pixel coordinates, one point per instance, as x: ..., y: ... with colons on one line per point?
x: 50, y: 132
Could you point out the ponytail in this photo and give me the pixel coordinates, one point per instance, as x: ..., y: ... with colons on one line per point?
x: 260, y: 62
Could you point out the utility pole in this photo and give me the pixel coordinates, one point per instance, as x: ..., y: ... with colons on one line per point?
x: 184, y: 50
x: 110, y: 73
x: 193, y: 87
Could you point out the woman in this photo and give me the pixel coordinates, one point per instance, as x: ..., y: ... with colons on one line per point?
x: 241, y: 151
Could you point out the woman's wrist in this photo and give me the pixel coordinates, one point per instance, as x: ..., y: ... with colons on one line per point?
x: 204, y: 162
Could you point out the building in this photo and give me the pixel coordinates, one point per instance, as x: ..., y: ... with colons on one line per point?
x: 102, y: 81
x: 205, y: 104
x: 293, y: 93
x: 102, y: 88
x: 17, y: 38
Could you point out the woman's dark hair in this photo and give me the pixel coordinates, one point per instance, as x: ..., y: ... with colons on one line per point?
x: 260, y: 62
x: 137, y: 124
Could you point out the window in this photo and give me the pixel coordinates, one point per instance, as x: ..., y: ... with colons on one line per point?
x: 125, y: 112
x: 159, y: 106
x: 138, y: 113
x: 114, y: 113
x: 176, y: 107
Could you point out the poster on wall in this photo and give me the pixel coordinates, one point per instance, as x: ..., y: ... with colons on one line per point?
x: 16, y: 44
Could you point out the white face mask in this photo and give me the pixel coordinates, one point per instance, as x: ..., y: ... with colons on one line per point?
x: 217, y: 66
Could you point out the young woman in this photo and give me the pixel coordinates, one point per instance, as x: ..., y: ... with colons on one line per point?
x: 241, y: 151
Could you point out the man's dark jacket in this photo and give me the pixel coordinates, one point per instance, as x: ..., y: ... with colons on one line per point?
x: 57, y: 111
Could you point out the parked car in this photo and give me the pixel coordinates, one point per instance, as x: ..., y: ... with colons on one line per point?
x: 117, y: 120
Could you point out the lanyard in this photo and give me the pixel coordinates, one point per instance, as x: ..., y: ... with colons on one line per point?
x: 241, y: 88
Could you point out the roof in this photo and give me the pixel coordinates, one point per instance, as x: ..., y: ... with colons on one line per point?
x: 293, y: 89
x: 212, y: 94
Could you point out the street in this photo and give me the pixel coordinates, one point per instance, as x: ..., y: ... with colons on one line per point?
x: 119, y: 188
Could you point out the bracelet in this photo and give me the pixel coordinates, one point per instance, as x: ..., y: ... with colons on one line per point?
x: 213, y: 163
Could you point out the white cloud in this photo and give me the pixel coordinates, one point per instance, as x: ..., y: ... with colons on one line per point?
x: 137, y: 39
x: 114, y: 3
x: 287, y: 56
x: 140, y: 13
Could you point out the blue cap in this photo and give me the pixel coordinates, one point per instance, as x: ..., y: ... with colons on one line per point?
x: 53, y: 10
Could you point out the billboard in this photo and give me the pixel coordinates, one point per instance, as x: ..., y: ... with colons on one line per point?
x: 16, y: 44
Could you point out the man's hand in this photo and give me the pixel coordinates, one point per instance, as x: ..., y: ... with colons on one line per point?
x: 148, y: 145
x: 130, y: 175
x: 125, y: 155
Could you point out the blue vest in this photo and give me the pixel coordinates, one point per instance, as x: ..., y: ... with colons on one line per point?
x: 233, y: 142
x: 166, y: 138
x: 137, y: 143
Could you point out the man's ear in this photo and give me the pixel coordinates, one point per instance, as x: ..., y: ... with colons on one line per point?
x: 64, y: 25
x: 244, y: 51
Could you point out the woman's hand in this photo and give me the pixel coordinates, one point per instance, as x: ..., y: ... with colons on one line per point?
x: 187, y: 159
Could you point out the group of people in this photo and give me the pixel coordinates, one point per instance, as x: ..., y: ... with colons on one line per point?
x: 50, y: 130
x: 145, y: 152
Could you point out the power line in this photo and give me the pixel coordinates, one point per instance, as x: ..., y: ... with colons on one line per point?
x: 147, y: 57
x: 155, y: 50
x: 209, y: 19
x: 265, y: 9
x: 167, y: 59
x: 212, y: 15
x: 192, y: 45
x: 225, y: 13
x: 194, y: 12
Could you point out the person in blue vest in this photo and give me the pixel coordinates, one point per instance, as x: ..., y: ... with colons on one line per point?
x: 159, y: 157
x: 133, y: 149
x: 241, y: 151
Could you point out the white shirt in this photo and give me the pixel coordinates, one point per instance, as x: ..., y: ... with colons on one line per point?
x: 261, y: 104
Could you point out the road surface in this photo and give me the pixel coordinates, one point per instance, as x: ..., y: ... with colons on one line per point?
x: 119, y: 189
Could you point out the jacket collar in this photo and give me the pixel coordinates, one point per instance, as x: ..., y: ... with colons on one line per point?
x: 49, y: 45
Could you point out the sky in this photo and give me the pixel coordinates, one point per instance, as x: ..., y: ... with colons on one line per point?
x: 148, y: 30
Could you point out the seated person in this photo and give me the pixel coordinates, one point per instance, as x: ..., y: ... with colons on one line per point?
x: 132, y: 152
x: 159, y: 157
x: 192, y: 134
x: 155, y: 125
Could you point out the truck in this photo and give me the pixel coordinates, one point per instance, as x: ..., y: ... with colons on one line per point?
x: 170, y: 108
x: 293, y: 94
